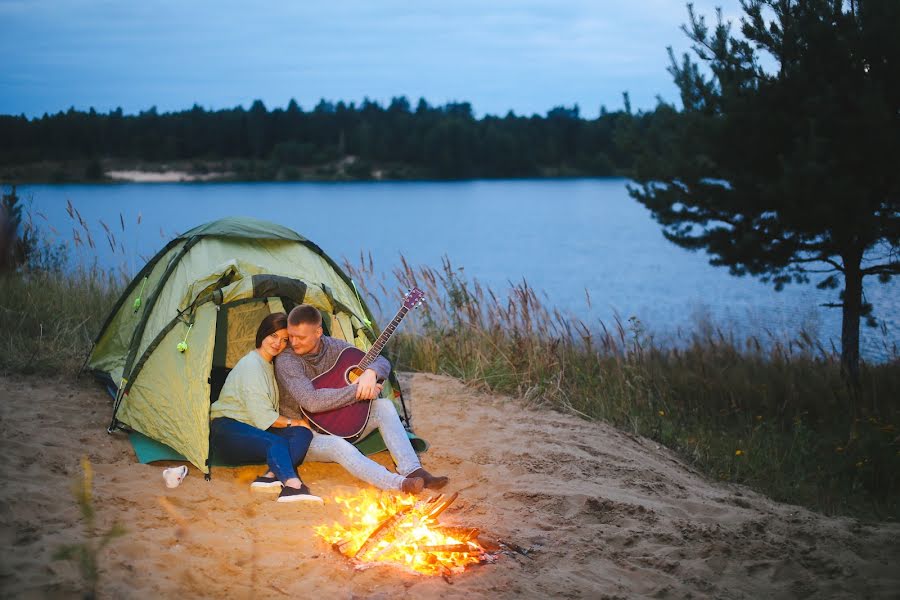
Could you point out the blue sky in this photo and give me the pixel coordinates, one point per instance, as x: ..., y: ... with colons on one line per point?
x: 500, y: 55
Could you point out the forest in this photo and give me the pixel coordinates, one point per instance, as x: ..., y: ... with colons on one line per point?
x: 331, y: 141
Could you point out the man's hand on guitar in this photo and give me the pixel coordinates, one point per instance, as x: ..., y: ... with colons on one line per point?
x: 367, y: 386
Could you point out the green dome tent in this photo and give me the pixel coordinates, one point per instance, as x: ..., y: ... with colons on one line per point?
x: 192, y: 313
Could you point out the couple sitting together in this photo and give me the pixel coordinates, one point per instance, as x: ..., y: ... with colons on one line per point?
x: 258, y: 417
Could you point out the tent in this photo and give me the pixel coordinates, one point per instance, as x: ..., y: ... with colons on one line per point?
x: 192, y: 313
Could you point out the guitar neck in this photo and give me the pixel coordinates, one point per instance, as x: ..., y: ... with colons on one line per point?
x: 378, y: 346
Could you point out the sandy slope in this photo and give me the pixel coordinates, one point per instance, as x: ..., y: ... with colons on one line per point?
x: 608, y: 515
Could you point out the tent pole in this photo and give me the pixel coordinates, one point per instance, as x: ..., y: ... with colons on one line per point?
x: 120, y: 393
x: 86, y: 359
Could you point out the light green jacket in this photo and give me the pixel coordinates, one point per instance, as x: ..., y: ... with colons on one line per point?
x: 250, y: 394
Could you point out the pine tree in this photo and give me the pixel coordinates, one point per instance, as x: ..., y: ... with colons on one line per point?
x: 784, y: 162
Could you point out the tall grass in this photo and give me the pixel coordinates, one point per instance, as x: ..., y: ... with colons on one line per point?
x: 773, y: 414
x: 51, y: 311
x: 48, y: 319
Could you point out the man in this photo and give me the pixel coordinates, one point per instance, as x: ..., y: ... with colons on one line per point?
x: 311, y: 354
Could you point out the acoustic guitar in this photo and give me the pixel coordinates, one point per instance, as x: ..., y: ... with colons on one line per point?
x: 349, y: 421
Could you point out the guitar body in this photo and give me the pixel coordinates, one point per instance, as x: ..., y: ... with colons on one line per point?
x: 346, y: 421
x: 349, y: 421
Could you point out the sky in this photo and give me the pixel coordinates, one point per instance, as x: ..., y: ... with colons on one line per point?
x: 499, y: 55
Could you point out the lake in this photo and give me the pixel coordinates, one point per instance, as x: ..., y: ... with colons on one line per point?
x: 564, y: 237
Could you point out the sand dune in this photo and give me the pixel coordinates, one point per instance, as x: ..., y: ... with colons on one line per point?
x: 607, y: 515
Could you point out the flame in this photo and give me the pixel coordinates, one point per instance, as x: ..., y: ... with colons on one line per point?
x: 408, y: 536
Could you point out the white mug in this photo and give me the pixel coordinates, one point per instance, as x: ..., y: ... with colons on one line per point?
x: 175, y: 475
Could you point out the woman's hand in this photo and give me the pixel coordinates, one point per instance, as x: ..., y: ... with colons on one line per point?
x: 283, y: 421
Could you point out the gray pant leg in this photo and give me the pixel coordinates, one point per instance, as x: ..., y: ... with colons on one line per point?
x: 328, y: 448
x: 384, y: 417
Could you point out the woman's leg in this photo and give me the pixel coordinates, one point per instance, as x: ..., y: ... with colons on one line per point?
x: 328, y: 448
x: 298, y: 439
x: 241, y: 443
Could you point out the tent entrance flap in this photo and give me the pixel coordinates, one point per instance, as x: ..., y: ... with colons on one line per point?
x: 236, y: 325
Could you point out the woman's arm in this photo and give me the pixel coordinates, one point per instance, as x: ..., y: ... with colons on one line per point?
x: 283, y: 421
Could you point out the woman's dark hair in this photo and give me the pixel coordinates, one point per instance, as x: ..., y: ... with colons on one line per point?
x: 270, y: 325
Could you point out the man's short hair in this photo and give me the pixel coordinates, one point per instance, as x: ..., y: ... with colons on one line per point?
x: 304, y: 314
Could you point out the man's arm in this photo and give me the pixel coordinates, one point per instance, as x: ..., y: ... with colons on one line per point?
x: 294, y: 386
x: 382, y: 368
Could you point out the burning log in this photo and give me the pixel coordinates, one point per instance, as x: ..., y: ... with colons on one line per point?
x: 404, y: 532
x: 342, y: 545
x: 383, y: 529
x: 389, y: 526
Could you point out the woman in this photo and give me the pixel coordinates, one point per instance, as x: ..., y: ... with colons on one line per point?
x: 245, y: 426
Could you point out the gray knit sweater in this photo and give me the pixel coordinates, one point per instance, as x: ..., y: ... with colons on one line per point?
x: 294, y: 373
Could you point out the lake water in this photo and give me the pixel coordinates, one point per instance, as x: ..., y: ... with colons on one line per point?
x: 562, y: 236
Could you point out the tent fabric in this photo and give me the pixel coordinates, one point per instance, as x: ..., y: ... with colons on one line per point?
x: 162, y: 345
x: 246, y: 227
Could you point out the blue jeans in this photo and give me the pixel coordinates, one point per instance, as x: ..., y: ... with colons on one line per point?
x: 283, y: 449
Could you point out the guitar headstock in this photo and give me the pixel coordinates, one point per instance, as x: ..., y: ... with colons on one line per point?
x: 413, y: 298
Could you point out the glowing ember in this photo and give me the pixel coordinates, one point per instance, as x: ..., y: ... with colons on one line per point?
x: 402, y: 531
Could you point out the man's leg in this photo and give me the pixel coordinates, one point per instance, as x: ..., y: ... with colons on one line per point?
x: 384, y: 417
x: 328, y: 448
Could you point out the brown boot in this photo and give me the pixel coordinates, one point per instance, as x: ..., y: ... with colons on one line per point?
x: 412, y: 485
x: 431, y: 482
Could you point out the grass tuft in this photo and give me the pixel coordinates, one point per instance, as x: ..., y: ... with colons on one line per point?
x: 772, y: 414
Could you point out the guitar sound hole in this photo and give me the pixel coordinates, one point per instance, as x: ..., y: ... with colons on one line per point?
x: 353, y: 374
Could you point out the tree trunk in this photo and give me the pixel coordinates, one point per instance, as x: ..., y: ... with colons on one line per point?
x: 852, y: 307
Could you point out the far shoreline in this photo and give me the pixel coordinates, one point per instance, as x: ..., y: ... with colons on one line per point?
x: 118, y: 171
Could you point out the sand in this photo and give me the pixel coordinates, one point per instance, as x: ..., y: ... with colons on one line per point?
x: 136, y: 176
x: 607, y: 515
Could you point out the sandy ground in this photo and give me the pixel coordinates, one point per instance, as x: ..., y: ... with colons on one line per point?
x: 161, y: 176
x: 607, y: 515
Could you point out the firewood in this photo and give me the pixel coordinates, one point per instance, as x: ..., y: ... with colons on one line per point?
x: 515, y: 548
x: 463, y: 534
x: 442, y: 506
x: 461, y: 548
x: 489, y: 545
x: 341, y: 546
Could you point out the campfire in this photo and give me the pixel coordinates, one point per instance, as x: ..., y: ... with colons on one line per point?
x: 403, y: 531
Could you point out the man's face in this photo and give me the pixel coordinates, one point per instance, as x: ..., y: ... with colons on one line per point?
x: 304, y: 338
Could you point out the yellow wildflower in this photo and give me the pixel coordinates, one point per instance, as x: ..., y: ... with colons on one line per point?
x: 662, y: 413
x: 738, y: 452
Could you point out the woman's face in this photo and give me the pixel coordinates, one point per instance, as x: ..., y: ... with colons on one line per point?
x: 273, y: 344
